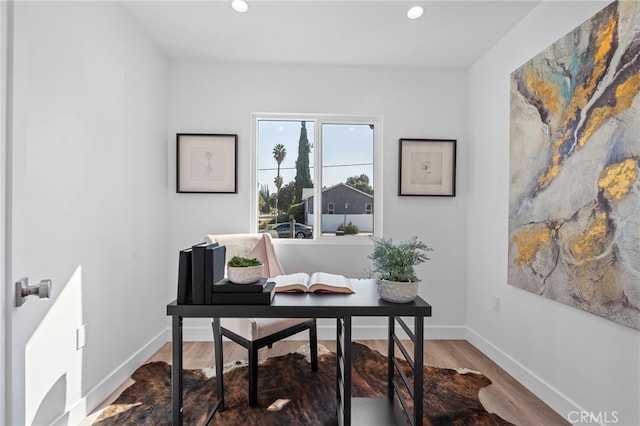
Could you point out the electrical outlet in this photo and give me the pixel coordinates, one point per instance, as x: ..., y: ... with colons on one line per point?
x: 496, y: 303
x: 81, y: 337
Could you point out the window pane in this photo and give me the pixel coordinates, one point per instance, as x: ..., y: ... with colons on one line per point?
x: 347, y: 179
x: 285, y: 176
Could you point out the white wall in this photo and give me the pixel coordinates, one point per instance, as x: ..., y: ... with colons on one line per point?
x: 89, y: 199
x: 219, y: 98
x: 572, y: 359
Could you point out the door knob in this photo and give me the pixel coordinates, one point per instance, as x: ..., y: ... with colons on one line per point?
x: 23, y: 289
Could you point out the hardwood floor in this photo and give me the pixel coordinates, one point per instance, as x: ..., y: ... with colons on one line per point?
x: 505, y: 396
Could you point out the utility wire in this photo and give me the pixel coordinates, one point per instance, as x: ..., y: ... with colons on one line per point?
x: 324, y: 166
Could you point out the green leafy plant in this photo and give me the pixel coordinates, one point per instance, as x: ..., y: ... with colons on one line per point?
x: 242, y: 262
x: 395, y: 262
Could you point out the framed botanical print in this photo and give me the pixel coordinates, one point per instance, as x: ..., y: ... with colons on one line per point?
x: 206, y: 163
x: 427, y: 167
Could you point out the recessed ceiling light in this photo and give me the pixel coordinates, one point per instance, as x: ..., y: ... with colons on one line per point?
x: 240, y: 6
x: 415, y: 12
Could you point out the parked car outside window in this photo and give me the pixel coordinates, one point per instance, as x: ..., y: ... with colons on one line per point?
x: 301, y: 230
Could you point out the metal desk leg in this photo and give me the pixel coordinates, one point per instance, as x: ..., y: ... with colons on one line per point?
x: 418, y: 377
x: 217, y: 337
x: 217, y: 348
x: 176, y: 370
x: 347, y: 371
x: 390, y: 355
x: 339, y: 372
x: 343, y: 371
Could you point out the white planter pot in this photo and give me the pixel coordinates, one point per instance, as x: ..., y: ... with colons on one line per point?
x: 244, y: 274
x: 398, y: 291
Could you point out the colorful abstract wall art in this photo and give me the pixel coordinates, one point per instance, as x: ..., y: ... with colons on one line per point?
x: 574, y: 192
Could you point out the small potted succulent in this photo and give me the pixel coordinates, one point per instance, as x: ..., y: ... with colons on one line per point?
x: 394, y: 266
x: 244, y: 270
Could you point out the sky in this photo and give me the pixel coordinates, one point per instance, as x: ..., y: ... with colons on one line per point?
x: 348, y: 151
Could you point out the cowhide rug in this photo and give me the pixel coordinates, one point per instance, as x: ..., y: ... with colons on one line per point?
x: 451, y: 396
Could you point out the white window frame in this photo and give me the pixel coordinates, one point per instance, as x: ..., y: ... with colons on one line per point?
x: 331, y: 208
x: 368, y: 208
x: 319, y: 120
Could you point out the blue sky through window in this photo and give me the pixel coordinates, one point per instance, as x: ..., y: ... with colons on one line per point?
x: 347, y: 151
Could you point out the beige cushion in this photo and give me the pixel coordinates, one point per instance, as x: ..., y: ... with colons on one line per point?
x: 256, y: 328
x: 260, y: 246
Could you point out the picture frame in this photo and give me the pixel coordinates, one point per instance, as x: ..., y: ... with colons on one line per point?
x: 206, y: 163
x: 427, y: 167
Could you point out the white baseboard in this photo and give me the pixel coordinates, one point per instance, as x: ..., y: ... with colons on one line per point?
x: 328, y: 332
x: 543, y: 390
x: 194, y: 334
x: 445, y: 333
x: 99, y: 393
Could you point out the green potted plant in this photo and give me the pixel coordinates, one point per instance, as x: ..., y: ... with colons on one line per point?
x: 244, y: 270
x: 394, y: 265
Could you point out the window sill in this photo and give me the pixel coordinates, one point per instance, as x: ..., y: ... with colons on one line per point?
x: 326, y: 241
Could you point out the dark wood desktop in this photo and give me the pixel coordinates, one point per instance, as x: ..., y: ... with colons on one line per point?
x: 364, y: 302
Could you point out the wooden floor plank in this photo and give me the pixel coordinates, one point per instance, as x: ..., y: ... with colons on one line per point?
x: 505, y: 396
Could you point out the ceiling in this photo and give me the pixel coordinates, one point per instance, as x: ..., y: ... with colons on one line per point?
x: 451, y: 33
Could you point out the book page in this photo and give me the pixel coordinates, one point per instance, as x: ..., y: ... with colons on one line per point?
x: 291, y: 282
x: 331, y: 283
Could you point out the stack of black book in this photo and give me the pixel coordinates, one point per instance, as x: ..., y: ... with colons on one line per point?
x: 199, y: 267
x: 227, y: 293
x: 201, y: 280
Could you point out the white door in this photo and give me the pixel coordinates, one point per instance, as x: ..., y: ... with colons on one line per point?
x: 4, y: 303
x: 41, y: 358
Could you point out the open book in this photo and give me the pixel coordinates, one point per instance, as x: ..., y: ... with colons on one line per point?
x: 318, y: 282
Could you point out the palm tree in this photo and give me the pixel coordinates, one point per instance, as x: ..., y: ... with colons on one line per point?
x: 279, y: 153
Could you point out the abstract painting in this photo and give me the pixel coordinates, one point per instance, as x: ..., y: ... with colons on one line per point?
x: 574, y: 191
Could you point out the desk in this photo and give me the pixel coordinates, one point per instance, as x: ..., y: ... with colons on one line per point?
x: 342, y: 307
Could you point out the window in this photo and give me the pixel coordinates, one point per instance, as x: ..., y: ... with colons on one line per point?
x: 318, y: 171
x: 368, y: 208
